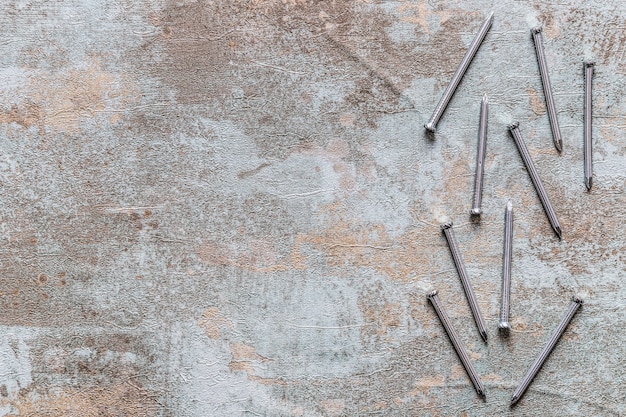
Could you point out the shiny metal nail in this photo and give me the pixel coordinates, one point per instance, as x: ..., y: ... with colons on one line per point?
x: 504, y: 325
x: 556, y: 335
x: 480, y: 157
x: 456, y: 342
x: 587, y: 122
x: 534, y: 176
x: 431, y: 126
x: 547, y: 88
x: 467, y: 287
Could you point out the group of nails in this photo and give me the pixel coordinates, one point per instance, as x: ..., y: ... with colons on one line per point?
x: 433, y: 296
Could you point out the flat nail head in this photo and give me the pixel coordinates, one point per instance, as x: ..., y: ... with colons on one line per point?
x: 536, y: 29
x: 430, y: 127
x: 475, y: 212
x: 446, y: 226
x: 513, y: 126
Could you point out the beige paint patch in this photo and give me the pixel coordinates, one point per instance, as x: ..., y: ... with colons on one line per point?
x: 346, y: 242
x: 60, y: 100
x: 535, y: 102
x: 333, y: 407
x: 212, y: 322
x: 426, y: 383
x: 415, y: 13
x: 112, y: 401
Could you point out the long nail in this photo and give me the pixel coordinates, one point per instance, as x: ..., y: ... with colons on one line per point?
x: 534, y: 176
x: 456, y: 342
x: 458, y: 75
x: 504, y: 325
x: 536, y: 366
x: 547, y: 89
x: 480, y: 157
x: 467, y: 287
x: 588, y: 146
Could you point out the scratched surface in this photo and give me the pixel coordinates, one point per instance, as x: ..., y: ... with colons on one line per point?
x: 231, y: 208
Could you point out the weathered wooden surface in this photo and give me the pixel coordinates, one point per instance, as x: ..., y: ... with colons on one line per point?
x: 231, y: 208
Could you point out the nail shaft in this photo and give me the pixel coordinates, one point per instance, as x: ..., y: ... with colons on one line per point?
x: 467, y: 287
x: 504, y: 325
x: 556, y: 335
x: 480, y: 157
x: 458, y: 75
x: 587, y: 115
x: 547, y: 88
x: 534, y: 176
x: 433, y: 297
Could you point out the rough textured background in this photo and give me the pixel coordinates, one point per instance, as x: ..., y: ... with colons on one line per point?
x: 230, y: 208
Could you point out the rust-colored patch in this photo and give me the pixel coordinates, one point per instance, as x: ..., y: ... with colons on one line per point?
x: 333, y: 407
x: 212, y: 322
x: 549, y: 23
x: 244, y: 358
x: 235, y: 59
x: 345, y: 242
x: 60, y: 100
x: 112, y: 401
x: 426, y: 383
x: 536, y: 103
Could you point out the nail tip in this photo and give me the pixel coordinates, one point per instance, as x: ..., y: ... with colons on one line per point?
x: 558, y: 146
x: 588, y: 183
x: 483, y: 334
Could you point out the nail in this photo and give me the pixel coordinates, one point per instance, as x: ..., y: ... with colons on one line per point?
x: 588, y: 146
x: 469, y: 292
x: 534, y: 176
x: 480, y: 157
x: 556, y: 335
x: 547, y: 88
x: 504, y: 325
x: 458, y: 75
x: 433, y: 297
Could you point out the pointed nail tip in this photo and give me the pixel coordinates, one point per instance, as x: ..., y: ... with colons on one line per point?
x: 513, y: 401
x: 588, y: 183
x: 483, y: 334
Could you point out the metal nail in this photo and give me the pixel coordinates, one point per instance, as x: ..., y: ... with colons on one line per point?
x: 467, y: 287
x: 458, y: 75
x: 480, y: 157
x: 504, y: 325
x: 556, y: 335
x: 587, y: 121
x: 534, y: 176
x: 456, y: 342
x: 547, y: 88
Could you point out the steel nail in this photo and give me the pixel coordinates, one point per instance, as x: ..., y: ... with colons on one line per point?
x: 467, y: 287
x: 587, y: 122
x: 456, y: 342
x: 547, y: 88
x: 504, y: 325
x: 534, y: 176
x: 431, y: 126
x: 480, y: 157
x: 556, y: 335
